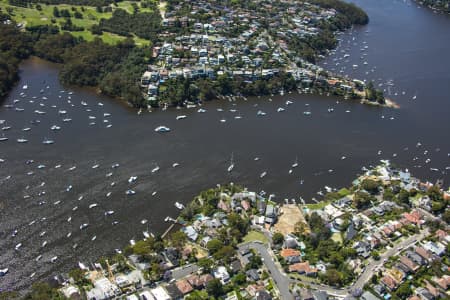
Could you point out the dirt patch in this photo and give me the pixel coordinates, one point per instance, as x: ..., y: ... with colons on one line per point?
x: 290, y: 215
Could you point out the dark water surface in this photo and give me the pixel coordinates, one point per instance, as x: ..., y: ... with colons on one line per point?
x: 406, y: 45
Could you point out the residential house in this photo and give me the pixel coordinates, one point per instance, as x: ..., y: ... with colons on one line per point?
x: 252, y: 275
x: 303, y: 268
x: 184, y: 287
x: 221, y: 273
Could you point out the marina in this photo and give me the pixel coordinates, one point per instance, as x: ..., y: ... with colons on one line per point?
x: 328, y: 137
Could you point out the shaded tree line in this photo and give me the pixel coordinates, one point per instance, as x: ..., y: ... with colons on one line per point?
x: 96, y: 3
x: 14, y: 47
x: 144, y: 25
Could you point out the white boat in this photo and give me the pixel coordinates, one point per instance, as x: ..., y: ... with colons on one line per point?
x: 83, y: 103
x: 93, y: 205
x: 109, y: 174
x: 263, y: 174
x: 3, y: 272
x: 72, y: 168
x: 330, y: 110
x: 100, y: 104
x: 25, y: 87
x: 231, y: 166
x: 154, y: 193
x: 62, y: 112
x: 18, y: 246
x: 307, y: 113
x: 55, y: 127
x: 40, y: 112
x: 132, y: 179
x: 19, y: 109
x: 3, y: 139
x: 201, y: 110
x: 155, y: 169
x: 94, y: 238
x: 44, y: 244
x: 92, y: 117
x: 162, y: 129
x: 54, y: 259
x: 109, y: 212
x: 48, y: 142
x: 179, y: 205
x: 108, y: 194
x: 6, y: 127
x: 295, y: 164
x: 280, y: 109
x: 174, y: 165
x: 130, y: 192
x: 181, y: 117
x: 114, y: 166
x: 38, y: 258
x: 84, y: 226
x: 95, y: 166
x: 22, y: 140
x: 146, y: 234
x: 67, y: 120
x: 260, y: 113
x: 223, y: 120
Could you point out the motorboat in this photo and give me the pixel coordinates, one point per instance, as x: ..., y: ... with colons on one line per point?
x: 114, y: 166
x: 307, y: 113
x: 48, y: 142
x: 54, y: 259
x: 280, y: 109
x: 55, y: 127
x: 155, y: 169
x: 132, y: 179
x: 263, y: 174
x: 260, y: 113
x: 174, y: 165
x: 109, y: 212
x: 93, y: 205
x: 84, y: 226
x: 181, y: 117
x: 201, y: 110
x: 162, y: 129
x: 3, y: 272
x: 130, y: 192
x: 22, y: 140
x: 179, y: 205
x: 231, y: 166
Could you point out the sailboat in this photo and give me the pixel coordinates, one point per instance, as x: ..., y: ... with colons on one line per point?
x: 231, y: 166
x: 295, y: 164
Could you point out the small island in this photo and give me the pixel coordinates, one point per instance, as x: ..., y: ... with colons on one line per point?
x: 385, y: 236
x: 176, y: 53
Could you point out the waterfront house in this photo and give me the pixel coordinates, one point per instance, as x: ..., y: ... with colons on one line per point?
x: 221, y: 273
x: 184, y: 287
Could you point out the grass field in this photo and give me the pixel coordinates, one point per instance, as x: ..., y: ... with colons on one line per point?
x: 255, y: 236
x: 33, y: 16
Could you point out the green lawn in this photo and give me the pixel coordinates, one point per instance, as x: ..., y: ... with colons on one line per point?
x: 255, y: 236
x: 32, y: 17
x: 317, y: 206
x: 337, y: 237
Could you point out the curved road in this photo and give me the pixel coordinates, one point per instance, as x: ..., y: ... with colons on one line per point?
x: 282, y: 281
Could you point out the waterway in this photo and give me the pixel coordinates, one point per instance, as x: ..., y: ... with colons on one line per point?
x: 407, y: 46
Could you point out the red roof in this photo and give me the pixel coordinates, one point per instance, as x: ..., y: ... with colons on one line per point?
x: 184, y: 286
x: 289, y: 252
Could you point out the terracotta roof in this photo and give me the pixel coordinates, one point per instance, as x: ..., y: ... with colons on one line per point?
x: 414, y: 298
x: 184, y: 286
x: 443, y: 282
x: 422, y: 252
x: 289, y: 252
x: 302, y: 267
x: 413, y: 217
x: 389, y: 282
x: 409, y: 263
x: 441, y: 234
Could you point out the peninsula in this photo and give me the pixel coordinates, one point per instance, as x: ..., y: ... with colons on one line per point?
x: 156, y: 54
x: 386, y: 236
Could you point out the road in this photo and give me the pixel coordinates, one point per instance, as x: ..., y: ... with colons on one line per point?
x: 375, y: 264
x: 282, y: 281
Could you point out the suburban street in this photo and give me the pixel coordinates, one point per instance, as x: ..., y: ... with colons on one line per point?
x: 282, y: 281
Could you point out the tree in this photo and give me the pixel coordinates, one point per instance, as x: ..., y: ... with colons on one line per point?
x: 214, y: 245
x: 79, y: 276
x: 205, y: 264
x: 277, y: 238
x: 215, y: 288
x: 361, y: 200
x: 404, y: 291
x: 333, y: 277
x: 239, y: 279
x: 225, y: 254
x: 370, y: 185
x: 178, y: 239
x: 43, y: 291
x: 56, y: 12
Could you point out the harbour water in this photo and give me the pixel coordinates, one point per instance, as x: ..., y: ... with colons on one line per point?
x: 47, y: 200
